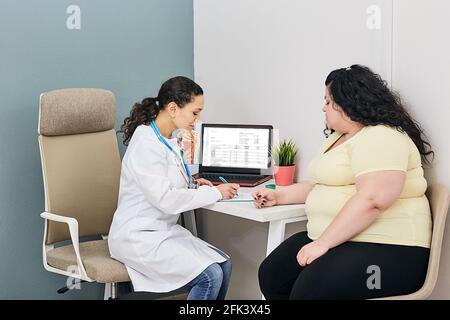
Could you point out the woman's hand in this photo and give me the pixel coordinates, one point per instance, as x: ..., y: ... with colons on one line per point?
x: 264, y: 198
x: 311, y: 252
x: 204, y: 182
x: 228, y: 190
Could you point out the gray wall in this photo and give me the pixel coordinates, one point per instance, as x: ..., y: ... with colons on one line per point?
x: 126, y: 47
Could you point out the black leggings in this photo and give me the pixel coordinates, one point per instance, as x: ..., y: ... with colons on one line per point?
x: 352, y: 270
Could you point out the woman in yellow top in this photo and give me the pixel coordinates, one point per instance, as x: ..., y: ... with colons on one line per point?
x: 369, y: 223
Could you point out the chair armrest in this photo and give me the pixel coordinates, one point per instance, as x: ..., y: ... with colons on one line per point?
x: 73, y: 230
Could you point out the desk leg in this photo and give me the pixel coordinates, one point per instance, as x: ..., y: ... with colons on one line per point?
x: 276, y: 235
x: 190, y: 222
x: 277, y: 229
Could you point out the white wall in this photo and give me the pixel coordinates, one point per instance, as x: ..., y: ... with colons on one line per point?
x: 265, y: 61
x: 421, y: 73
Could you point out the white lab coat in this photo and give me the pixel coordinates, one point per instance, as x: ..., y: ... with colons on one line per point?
x: 160, y: 255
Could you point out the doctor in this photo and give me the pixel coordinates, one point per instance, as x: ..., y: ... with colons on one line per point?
x: 155, y: 187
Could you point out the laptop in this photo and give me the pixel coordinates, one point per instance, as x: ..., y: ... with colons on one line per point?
x: 238, y: 153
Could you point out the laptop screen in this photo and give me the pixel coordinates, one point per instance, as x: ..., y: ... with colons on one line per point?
x: 235, y: 146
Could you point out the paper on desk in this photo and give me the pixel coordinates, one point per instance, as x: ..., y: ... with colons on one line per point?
x: 240, y: 197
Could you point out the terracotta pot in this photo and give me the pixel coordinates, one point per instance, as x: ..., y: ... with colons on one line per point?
x: 284, y: 176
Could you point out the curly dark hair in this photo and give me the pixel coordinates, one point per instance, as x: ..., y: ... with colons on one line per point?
x: 180, y: 90
x: 365, y: 98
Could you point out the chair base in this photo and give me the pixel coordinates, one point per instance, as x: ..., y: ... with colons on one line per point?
x: 110, y: 291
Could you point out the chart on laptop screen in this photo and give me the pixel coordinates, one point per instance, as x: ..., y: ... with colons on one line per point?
x: 235, y: 147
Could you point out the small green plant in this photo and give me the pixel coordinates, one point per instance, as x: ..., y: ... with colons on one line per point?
x: 284, y: 154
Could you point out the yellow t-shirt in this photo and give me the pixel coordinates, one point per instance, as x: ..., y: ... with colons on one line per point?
x: 373, y: 148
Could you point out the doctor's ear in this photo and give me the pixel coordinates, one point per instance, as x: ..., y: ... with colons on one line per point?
x: 172, y: 109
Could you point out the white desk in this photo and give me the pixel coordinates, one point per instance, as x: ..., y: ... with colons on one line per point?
x: 277, y: 216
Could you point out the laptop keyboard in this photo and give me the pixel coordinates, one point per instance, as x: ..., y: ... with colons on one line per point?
x: 234, y: 178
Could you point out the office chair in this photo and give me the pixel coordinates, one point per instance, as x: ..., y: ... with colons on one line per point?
x: 81, y: 170
x: 439, y: 198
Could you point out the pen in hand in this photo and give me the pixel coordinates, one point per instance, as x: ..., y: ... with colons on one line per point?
x: 225, y: 181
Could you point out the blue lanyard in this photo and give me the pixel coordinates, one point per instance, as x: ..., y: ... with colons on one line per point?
x: 160, y: 137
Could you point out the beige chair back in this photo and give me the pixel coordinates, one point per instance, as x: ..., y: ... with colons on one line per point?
x: 439, y: 198
x: 80, y: 159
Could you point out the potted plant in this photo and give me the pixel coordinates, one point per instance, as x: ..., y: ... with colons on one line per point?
x: 283, y: 157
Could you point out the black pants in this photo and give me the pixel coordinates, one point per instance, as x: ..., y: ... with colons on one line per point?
x: 352, y: 270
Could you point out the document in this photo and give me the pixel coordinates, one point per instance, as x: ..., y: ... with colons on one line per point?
x: 240, y: 197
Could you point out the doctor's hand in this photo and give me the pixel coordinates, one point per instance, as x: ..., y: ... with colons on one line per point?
x: 204, y: 182
x: 264, y: 198
x: 311, y: 252
x: 228, y: 190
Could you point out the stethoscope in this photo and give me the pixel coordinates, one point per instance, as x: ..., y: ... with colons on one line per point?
x: 186, y: 173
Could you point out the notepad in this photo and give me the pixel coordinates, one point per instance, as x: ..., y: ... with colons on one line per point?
x: 240, y: 197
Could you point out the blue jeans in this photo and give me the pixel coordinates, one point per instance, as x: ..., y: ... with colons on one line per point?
x: 212, y: 283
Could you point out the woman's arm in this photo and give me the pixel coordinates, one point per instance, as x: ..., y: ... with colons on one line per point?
x: 296, y: 193
x: 148, y: 168
x: 376, y: 191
